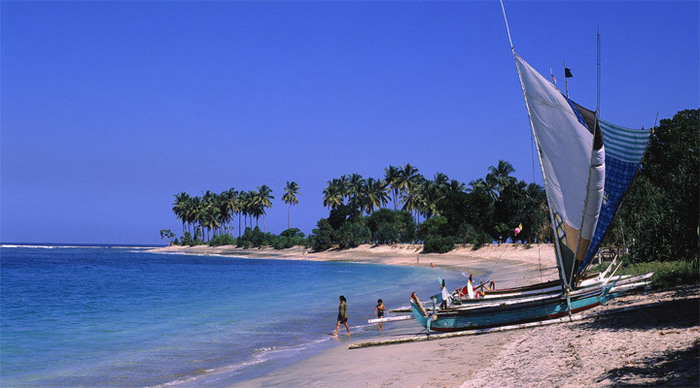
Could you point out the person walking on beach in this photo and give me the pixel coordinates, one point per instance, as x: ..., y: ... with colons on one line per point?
x: 342, y: 315
x: 379, y: 311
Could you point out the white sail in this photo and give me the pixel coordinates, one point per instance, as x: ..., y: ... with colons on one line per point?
x: 573, y: 165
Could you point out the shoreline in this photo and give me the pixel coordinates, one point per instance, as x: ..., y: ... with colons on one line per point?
x: 646, y: 338
x: 511, y: 264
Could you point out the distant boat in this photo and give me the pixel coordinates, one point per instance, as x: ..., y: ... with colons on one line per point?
x: 587, y: 166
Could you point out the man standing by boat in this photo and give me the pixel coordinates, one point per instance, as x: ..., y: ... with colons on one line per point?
x: 445, y: 295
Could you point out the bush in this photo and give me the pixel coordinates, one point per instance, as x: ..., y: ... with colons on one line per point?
x: 322, y: 237
x: 292, y: 232
x: 386, y: 234
x: 223, y: 239
x: 188, y: 240
x: 351, y: 235
x: 436, y: 226
x: 401, y: 221
x: 468, y: 234
x: 438, y: 244
x: 282, y: 242
x: 287, y: 241
x: 254, y: 238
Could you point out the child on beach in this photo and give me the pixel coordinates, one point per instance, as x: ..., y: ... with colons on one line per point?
x: 379, y: 311
x: 342, y: 315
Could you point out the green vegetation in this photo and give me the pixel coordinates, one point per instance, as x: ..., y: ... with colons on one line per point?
x: 657, y: 222
x: 291, y: 190
x: 256, y: 238
x: 222, y: 239
x: 489, y: 209
x: 659, y: 219
x: 215, y: 212
x: 167, y: 233
x: 666, y: 273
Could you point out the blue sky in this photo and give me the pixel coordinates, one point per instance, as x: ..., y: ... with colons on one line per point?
x: 111, y: 108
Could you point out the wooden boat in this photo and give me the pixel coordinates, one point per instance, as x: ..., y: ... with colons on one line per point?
x: 463, y: 294
x: 617, y: 285
x: 550, y: 307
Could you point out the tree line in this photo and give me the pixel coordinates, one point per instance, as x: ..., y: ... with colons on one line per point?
x: 439, y: 212
x: 215, y: 213
x: 659, y: 219
x: 488, y: 209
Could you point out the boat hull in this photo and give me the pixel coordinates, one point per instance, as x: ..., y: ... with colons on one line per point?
x: 454, y: 319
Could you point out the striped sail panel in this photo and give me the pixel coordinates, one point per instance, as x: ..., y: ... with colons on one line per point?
x: 573, y: 185
x: 622, y: 160
x: 624, y: 144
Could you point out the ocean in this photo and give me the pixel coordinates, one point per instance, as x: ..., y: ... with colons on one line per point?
x: 121, y: 316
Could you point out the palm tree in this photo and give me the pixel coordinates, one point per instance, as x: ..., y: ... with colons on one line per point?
x: 392, y: 175
x: 407, y: 176
x: 180, y: 207
x: 412, y: 196
x: 229, y: 205
x: 332, y: 195
x: 209, y: 219
x: 251, y: 206
x: 441, y: 180
x: 499, y: 177
x: 194, y: 207
x: 492, y: 186
x: 264, y: 201
x: 429, y: 197
x: 503, y: 171
x: 374, y: 195
x: 357, y: 192
x: 343, y: 186
x: 455, y: 186
x: 354, y: 187
x: 291, y: 190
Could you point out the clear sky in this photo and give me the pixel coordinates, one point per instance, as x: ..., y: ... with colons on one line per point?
x: 111, y: 108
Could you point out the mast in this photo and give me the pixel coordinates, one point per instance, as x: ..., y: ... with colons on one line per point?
x: 507, y: 27
x: 566, y: 80
x: 593, y: 166
x: 597, y: 105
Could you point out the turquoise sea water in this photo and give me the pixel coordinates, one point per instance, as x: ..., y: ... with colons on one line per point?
x: 95, y: 316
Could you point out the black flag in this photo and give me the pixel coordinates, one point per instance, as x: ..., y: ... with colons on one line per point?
x: 567, y: 72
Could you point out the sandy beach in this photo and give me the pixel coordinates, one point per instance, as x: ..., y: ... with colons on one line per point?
x: 646, y: 338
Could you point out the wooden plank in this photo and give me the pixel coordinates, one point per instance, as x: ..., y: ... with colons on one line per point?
x: 420, y: 338
x: 390, y: 319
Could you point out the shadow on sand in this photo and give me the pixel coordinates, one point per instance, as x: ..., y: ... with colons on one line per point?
x: 680, y: 368
x: 676, y: 369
